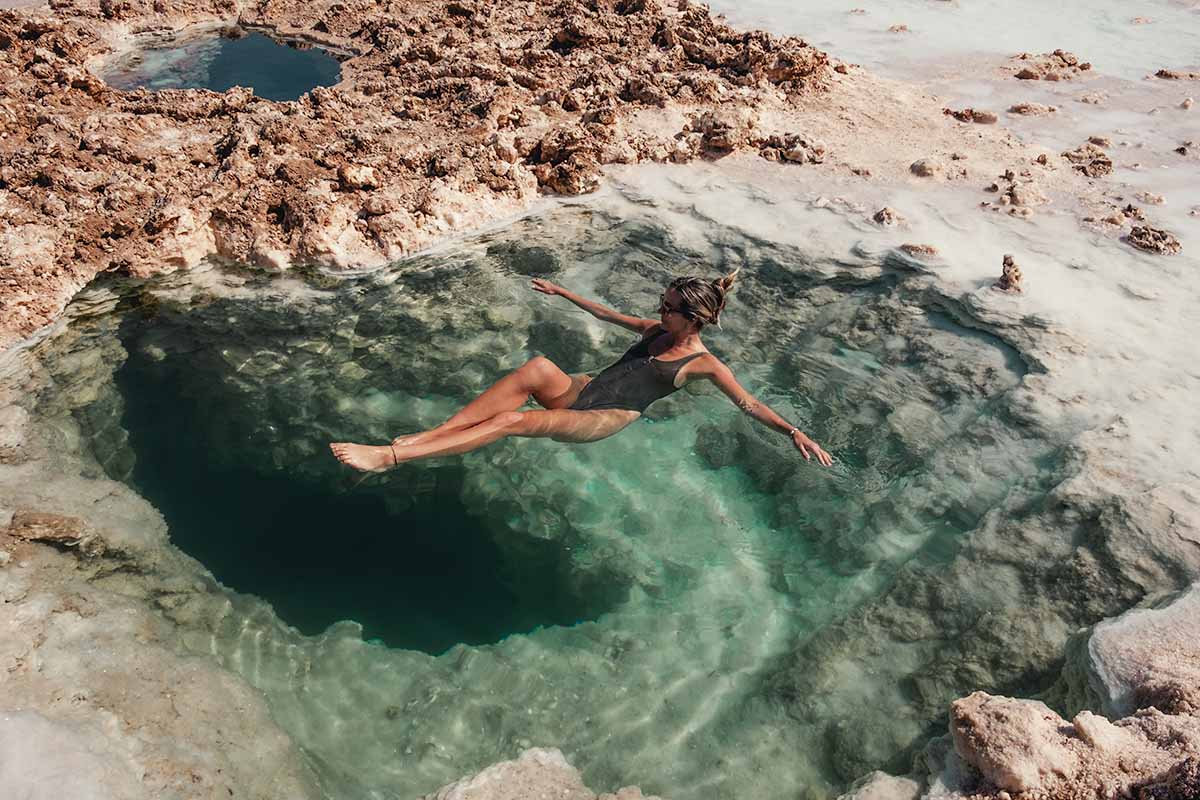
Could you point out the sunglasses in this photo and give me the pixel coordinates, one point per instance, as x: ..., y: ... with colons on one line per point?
x: 664, y: 307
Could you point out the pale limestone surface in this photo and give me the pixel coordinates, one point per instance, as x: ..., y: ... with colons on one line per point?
x: 1149, y: 656
x: 881, y: 786
x: 1016, y: 744
x: 537, y: 773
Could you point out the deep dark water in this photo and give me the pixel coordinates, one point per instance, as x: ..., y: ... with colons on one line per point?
x: 417, y: 571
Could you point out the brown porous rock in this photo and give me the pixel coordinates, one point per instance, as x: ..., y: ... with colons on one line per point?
x: 1090, y: 160
x: 1182, y: 782
x: 1031, y: 109
x: 1010, y: 276
x: 447, y: 116
x: 1154, y: 240
x: 790, y: 147
x: 925, y: 168
x: 887, y: 217
x: 1056, y: 66
x: 972, y: 115
x: 1177, y: 75
x: 919, y: 250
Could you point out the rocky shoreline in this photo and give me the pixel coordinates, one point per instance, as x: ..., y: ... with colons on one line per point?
x: 492, y: 107
x: 448, y: 116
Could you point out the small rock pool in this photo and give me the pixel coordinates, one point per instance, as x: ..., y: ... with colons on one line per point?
x: 219, y: 60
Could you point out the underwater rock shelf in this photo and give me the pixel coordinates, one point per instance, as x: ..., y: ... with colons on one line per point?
x: 648, y: 586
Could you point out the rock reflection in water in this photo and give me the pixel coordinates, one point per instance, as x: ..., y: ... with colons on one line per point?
x: 703, y: 547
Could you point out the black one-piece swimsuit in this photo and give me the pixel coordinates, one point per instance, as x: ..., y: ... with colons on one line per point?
x: 634, y: 382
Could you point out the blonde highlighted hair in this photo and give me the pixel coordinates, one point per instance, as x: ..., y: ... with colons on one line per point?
x: 703, y: 299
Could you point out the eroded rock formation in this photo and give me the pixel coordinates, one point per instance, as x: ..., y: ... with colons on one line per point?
x: 447, y: 115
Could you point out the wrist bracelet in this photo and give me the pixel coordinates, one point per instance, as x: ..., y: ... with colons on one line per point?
x: 792, y: 432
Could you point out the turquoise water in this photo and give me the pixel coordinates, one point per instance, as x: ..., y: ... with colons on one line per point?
x: 649, y: 603
x: 275, y: 70
x: 416, y: 570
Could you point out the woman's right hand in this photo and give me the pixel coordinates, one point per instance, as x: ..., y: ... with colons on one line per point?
x: 545, y: 287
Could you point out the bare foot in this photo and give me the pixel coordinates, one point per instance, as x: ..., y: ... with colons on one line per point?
x: 364, y: 457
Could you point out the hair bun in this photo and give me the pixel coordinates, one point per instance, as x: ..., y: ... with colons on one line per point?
x: 725, y: 283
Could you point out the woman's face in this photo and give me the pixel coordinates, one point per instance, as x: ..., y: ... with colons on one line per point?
x: 674, y: 313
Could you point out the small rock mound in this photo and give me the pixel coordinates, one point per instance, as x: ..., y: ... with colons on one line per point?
x: 887, y: 217
x: 1057, y: 66
x: 1010, y: 276
x: 1031, y: 109
x: 1154, y: 240
x: 919, y: 250
x: 1176, y: 75
x: 1090, y: 160
x: 790, y: 147
x: 972, y: 115
x: 926, y: 168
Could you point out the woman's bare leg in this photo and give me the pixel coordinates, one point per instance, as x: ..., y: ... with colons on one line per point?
x: 560, y: 424
x: 539, y: 376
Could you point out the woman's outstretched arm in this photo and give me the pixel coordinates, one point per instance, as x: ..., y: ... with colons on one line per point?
x: 722, y: 376
x: 600, y: 312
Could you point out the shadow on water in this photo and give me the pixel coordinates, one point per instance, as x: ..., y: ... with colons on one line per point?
x: 417, y: 571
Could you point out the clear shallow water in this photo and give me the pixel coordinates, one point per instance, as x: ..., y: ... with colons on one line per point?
x: 275, y: 70
x: 705, y: 552
x: 415, y: 569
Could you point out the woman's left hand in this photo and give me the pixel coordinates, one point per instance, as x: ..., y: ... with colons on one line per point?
x: 810, y: 448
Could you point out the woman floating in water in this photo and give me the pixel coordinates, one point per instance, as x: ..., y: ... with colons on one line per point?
x: 582, y: 409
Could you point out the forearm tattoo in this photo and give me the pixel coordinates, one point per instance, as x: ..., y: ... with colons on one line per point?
x: 748, y: 404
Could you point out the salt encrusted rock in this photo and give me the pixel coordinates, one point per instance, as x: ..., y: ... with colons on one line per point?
x: 1182, y: 782
x: 1090, y: 160
x: 1014, y: 744
x: 887, y: 217
x: 1100, y: 734
x: 1010, y: 276
x: 536, y: 773
x: 1154, y: 240
x: 1149, y: 657
x: 1176, y: 75
x: 881, y: 786
x: 1026, y: 193
x: 1187, y: 103
x: 919, y: 250
x: 926, y: 168
x: 790, y: 147
x: 972, y: 115
x: 722, y: 130
x: 357, y: 176
x: 1150, y: 198
x: 1056, y: 66
x: 1031, y: 109
x: 57, y: 530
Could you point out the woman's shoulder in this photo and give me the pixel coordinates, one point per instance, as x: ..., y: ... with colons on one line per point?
x: 653, y: 331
